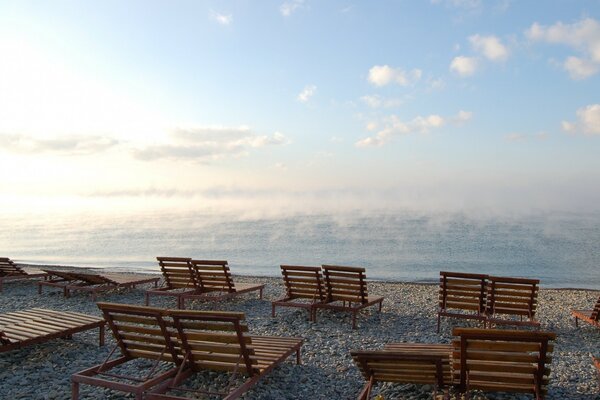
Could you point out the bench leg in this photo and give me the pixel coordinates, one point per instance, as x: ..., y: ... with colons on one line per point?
x: 39, y: 288
x: 74, y: 390
x: 438, y: 324
x: 298, y: 360
x: 260, y: 293
x: 576, y: 322
x: 101, y: 336
x: 272, y: 310
x: 147, y: 296
x: 354, y: 319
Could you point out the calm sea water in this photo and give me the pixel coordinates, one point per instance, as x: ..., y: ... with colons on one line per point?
x: 563, y: 250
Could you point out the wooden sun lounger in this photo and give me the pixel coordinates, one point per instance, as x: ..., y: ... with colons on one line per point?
x: 348, y: 285
x: 596, y: 361
x: 216, y: 283
x: 463, y: 292
x: 304, y: 288
x: 179, y: 278
x: 211, y: 340
x: 513, y: 297
x: 93, y: 283
x: 9, y: 271
x: 141, y: 333
x: 37, y: 325
x: 590, y: 316
x: 419, y: 363
x: 502, y: 360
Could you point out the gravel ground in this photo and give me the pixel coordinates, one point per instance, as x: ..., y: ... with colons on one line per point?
x: 327, y: 372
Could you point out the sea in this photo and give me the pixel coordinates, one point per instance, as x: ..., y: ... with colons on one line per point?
x: 559, y: 248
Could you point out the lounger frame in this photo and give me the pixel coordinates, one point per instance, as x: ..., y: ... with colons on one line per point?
x: 9, y: 271
x: 592, y: 317
x: 462, y: 292
x: 513, y: 297
x: 301, y: 283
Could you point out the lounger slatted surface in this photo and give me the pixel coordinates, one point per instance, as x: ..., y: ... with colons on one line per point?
x: 590, y: 316
x: 405, y: 363
x: 70, y: 281
x: 23, y: 328
x: 462, y: 295
x: 179, y: 277
x: 349, y: 286
x: 9, y: 271
x: 304, y: 288
x: 502, y: 360
x: 512, y: 297
x: 141, y: 333
x: 216, y: 283
x: 218, y: 341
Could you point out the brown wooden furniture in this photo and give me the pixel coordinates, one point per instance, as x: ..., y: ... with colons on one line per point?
x: 218, y: 341
x: 93, y: 283
x: 23, y: 328
x: 462, y: 295
x: 214, y: 282
x: 502, y: 360
x: 304, y: 288
x: 141, y: 333
x: 179, y: 278
x: 9, y: 271
x: 346, y: 285
x: 512, y: 297
x: 596, y: 361
x: 590, y: 316
x: 405, y: 363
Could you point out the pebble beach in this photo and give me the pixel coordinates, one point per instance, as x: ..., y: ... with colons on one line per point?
x: 327, y: 371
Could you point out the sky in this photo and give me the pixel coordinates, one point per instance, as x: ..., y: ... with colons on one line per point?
x: 300, y: 105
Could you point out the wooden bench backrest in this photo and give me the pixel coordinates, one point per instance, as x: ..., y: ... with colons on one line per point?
x: 213, y: 275
x: 178, y: 272
x: 215, y: 340
x: 345, y: 284
x: 8, y: 267
x: 140, y: 331
x: 502, y: 360
x: 303, y: 282
x: 463, y: 291
x: 391, y: 366
x: 514, y: 296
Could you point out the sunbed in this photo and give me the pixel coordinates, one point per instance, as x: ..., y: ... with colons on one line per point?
x: 462, y: 295
x: 590, y: 316
x: 304, y: 288
x: 9, y: 271
x: 179, y: 278
x: 37, y: 325
x: 508, y: 298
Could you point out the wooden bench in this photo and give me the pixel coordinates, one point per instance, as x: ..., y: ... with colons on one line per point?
x: 179, y: 278
x: 462, y: 295
x: 218, y: 341
x: 24, y: 328
x: 349, y: 286
x: 216, y: 283
x: 596, y: 361
x: 93, y: 283
x: 9, y: 271
x: 304, y: 288
x: 512, y: 297
x: 417, y: 363
x: 590, y: 316
x: 141, y: 333
x: 502, y: 360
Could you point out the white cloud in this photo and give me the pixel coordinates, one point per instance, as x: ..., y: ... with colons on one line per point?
x: 521, y: 137
x: 289, y: 7
x: 464, y: 66
x: 221, y: 18
x: 588, y: 121
x: 464, y: 4
x: 490, y: 46
x: 376, y: 101
x: 515, y: 137
x: 382, y: 75
x: 307, y: 93
x: 394, y: 126
x: 582, y: 36
x: 64, y: 145
x: 209, y: 143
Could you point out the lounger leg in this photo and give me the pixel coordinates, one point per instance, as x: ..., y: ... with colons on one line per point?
x: 74, y: 390
x: 101, y: 336
x: 272, y: 310
x: 147, y: 295
x: 39, y: 288
x: 298, y: 359
x: 576, y: 322
x: 1, y: 283
x: 66, y: 292
x: 354, y: 320
x: 438, y: 325
x: 380, y: 305
x: 260, y: 294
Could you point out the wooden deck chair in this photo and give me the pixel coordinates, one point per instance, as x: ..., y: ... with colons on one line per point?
x: 23, y: 328
x: 218, y: 341
x: 348, y: 285
x: 418, y: 363
x: 304, y: 288
x: 9, y: 271
x: 141, y: 333
x: 596, y: 361
x: 57, y: 279
x: 590, y: 316
x: 179, y: 277
x: 462, y: 295
x: 502, y: 360
x: 97, y: 283
x: 216, y: 283
x: 513, y: 297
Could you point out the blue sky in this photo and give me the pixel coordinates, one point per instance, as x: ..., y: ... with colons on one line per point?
x: 298, y: 105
